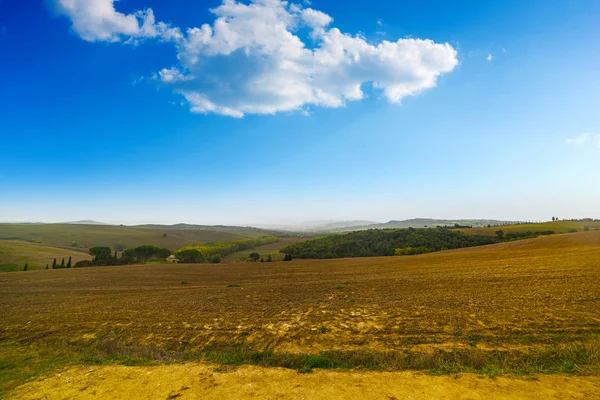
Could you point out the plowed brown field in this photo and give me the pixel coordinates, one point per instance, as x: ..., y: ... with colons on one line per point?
x: 537, y: 293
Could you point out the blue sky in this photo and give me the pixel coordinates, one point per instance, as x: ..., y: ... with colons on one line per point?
x: 112, y: 112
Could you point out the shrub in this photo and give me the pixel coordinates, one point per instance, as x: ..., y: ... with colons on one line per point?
x: 83, y: 263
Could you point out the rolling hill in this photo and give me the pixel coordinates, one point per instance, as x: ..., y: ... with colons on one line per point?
x: 81, y: 236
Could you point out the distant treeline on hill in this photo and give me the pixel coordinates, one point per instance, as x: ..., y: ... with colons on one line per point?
x: 103, y: 256
x: 386, y: 242
x: 205, y: 253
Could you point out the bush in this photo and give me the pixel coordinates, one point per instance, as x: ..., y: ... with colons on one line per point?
x: 83, y: 263
x: 215, y: 259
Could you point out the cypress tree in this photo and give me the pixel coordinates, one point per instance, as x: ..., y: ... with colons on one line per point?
x: 25, y: 269
x: 62, y: 263
x: 69, y: 263
x: 46, y: 266
x: 54, y: 264
x: 269, y: 259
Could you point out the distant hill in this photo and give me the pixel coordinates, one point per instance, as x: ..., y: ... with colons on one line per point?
x: 432, y: 223
x: 316, y: 226
x: 85, y: 222
x: 83, y: 236
x: 347, y: 226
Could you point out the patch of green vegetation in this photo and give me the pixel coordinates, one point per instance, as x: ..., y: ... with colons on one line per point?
x: 9, y: 267
x: 385, y: 242
x: 234, y: 285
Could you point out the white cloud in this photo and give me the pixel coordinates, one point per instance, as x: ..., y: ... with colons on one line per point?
x: 251, y: 60
x: 489, y: 57
x: 585, y: 138
x: 97, y: 20
x: 172, y: 75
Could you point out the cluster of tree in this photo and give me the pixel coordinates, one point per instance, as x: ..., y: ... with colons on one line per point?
x: 212, y: 252
x: 104, y: 256
x: 385, y: 242
x: 459, y: 226
x: 62, y: 264
x: 521, y: 235
x: 192, y: 256
x: 254, y: 257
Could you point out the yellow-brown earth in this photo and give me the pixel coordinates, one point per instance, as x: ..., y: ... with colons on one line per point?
x: 197, y: 381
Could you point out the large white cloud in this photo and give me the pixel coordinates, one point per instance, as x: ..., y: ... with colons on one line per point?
x: 252, y: 60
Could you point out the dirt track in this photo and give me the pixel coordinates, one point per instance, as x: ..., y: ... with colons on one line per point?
x: 197, y: 381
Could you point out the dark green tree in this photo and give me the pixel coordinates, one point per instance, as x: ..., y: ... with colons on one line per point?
x: 500, y: 234
x: 69, y: 263
x: 101, y: 253
x: 25, y: 268
x: 62, y: 263
x: 54, y: 264
x: 262, y: 260
x: 216, y: 259
x: 254, y: 257
x: 46, y: 266
x: 269, y: 259
x: 190, y: 256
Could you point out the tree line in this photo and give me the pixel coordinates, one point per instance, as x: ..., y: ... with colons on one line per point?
x: 386, y: 242
x: 104, y: 256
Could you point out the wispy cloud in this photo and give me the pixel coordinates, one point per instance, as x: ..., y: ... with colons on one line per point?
x: 585, y: 138
x: 489, y: 57
x: 250, y: 60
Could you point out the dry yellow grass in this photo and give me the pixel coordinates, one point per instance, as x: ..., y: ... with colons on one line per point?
x: 197, y: 381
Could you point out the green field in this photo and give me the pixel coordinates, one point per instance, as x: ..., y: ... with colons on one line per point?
x: 14, y: 254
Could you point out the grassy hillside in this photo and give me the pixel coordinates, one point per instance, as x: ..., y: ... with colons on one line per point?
x: 14, y: 254
x: 556, y: 226
x: 518, y: 307
x: 85, y: 236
